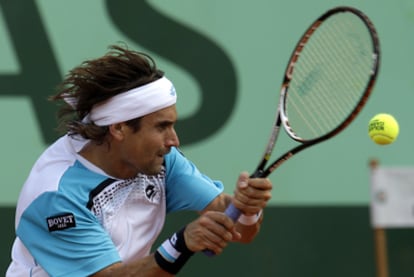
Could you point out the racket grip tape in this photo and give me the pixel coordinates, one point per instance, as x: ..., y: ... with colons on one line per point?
x: 234, y: 214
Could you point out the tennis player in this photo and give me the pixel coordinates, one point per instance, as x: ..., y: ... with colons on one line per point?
x: 96, y: 199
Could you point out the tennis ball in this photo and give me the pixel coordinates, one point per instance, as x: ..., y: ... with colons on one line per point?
x: 383, y: 129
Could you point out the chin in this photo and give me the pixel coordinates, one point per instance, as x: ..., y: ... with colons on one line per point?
x: 153, y: 171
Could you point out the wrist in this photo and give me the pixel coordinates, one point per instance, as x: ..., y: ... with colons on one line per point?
x: 173, y: 253
x: 250, y: 219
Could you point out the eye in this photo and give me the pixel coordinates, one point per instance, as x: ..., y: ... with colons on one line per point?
x: 164, y: 126
x: 161, y: 128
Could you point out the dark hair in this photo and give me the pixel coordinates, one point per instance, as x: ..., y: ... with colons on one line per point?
x: 97, y: 80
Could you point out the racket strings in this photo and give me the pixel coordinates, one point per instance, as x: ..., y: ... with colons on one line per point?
x: 330, y: 76
x: 333, y: 109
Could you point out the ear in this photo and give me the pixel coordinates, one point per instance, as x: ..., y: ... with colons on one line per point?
x: 117, y: 131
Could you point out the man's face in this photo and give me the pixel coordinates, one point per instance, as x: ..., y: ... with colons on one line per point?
x: 144, y: 150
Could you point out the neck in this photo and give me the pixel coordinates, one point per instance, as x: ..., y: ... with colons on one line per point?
x: 107, y: 159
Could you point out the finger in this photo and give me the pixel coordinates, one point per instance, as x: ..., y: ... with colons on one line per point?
x: 252, y: 196
x: 218, y: 231
x: 243, y: 181
x: 251, y: 205
x: 219, y: 224
x: 256, y: 188
x: 260, y: 183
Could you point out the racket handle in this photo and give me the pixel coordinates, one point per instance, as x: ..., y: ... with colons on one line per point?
x: 234, y: 214
x: 232, y: 211
x: 209, y: 253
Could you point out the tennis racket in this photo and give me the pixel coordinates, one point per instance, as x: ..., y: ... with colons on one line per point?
x: 327, y: 82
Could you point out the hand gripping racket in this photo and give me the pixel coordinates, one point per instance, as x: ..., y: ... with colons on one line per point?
x: 328, y: 80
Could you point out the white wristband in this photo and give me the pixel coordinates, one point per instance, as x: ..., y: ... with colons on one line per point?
x: 249, y: 220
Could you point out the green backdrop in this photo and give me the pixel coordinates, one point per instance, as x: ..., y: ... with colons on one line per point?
x: 226, y: 59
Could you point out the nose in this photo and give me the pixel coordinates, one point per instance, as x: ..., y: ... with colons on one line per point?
x: 173, y: 139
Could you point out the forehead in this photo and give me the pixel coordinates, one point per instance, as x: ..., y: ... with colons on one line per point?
x: 166, y: 114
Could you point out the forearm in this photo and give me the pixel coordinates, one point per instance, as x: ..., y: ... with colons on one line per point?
x: 145, y: 267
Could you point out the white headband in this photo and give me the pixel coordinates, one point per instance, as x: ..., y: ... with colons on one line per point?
x: 134, y: 103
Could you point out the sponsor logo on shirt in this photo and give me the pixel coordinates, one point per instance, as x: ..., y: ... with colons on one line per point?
x: 150, y: 192
x: 61, y: 222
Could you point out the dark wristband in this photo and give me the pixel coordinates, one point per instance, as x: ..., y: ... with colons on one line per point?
x: 173, y: 253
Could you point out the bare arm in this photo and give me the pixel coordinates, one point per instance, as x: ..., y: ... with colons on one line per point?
x: 212, y: 230
x: 146, y: 267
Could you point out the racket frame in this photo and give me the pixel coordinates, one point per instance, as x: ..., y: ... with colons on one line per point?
x: 282, y: 118
x: 281, y: 115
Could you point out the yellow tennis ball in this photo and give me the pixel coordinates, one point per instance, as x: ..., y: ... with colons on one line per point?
x: 383, y: 129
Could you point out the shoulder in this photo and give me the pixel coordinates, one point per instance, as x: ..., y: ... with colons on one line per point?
x: 175, y: 160
x: 174, y: 154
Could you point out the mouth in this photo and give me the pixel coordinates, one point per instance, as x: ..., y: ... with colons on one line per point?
x: 162, y: 156
x: 165, y: 153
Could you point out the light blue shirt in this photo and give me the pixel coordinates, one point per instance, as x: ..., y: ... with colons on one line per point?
x: 66, y: 236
